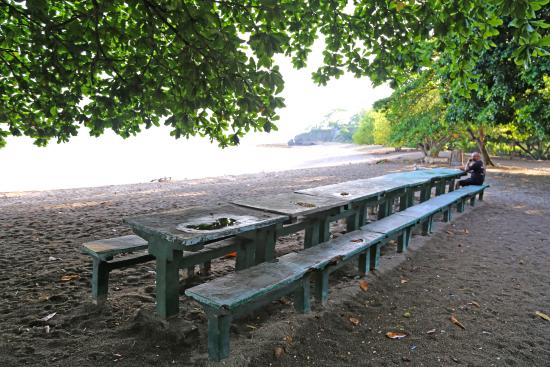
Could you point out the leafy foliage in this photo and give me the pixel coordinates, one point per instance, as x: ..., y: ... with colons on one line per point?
x: 207, y: 66
x: 382, y: 129
x: 512, y: 101
x: 365, y: 132
x: 416, y: 114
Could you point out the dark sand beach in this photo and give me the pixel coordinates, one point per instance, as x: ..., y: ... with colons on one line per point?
x: 489, y: 268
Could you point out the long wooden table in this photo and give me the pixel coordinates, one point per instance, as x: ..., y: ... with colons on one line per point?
x: 258, y: 221
x: 170, y: 234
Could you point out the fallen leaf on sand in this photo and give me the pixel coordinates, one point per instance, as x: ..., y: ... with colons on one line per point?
x: 354, y: 321
x: 456, y: 322
x: 68, y: 278
x: 395, y: 335
x: 404, y: 280
x: 251, y: 326
x: 364, y: 285
x: 407, y: 314
x: 285, y: 301
x: 466, y: 231
x: 431, y: 331
x: 48, y: 317
x: 449, y: 232
x: 543, y: 315
x: 357, y: 240
x: 288, y: 339
x: 278, y: 352
x: 475, y: 304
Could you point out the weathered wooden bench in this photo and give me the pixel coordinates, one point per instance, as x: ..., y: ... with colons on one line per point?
x: 241, y: 292
x: 103, y: 252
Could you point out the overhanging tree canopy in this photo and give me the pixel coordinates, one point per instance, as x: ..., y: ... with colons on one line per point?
x: 207, y: 65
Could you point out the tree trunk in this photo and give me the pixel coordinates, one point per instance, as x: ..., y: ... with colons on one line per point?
x: 480, y: 140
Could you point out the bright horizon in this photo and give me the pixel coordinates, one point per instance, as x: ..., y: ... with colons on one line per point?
x: 27, y: 167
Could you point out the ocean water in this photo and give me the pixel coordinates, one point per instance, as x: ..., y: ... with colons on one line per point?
x: 111, y: 160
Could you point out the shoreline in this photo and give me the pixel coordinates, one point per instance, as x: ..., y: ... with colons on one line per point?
x: 358, y: 155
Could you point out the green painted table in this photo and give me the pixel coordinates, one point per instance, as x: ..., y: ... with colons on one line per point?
x: 312, y: 213
x: 171, y: 233
x: 364, y: 193
x: 439, y: 178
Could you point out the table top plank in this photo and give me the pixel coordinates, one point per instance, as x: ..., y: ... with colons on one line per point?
x: 291, y: 204
x: 349, y: 190
x: 183, y: 228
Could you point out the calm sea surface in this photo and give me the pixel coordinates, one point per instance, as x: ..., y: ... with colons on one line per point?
x: 110, y: 160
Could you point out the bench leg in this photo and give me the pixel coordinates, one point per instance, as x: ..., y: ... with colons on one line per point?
x: 375, y: 256
x: 460, y: 206
x: 427, y: 226
x: 404, y: 240
x: 167, y: 288
x: 447, y: 214
x: 100, y: 280
x: 473, y: 201
x: 302, y: 296
x: 481, y: 195
x: 321, y: 287
x: 218, y: 336
x: 364, y: 263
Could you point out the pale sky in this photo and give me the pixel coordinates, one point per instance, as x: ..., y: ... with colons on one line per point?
x: 109, y: 159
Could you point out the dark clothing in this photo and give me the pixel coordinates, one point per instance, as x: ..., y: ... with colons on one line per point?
x: 477, y: 171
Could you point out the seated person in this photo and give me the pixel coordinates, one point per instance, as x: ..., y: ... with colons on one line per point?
x: 476, y: 169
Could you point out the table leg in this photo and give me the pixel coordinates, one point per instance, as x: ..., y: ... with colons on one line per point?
x: 311, y: 237
x: 167, y: 285
x: 264, y: 241
x: 324, y: 229
x: 246, y: 254
x: 425, y: 192
x: 440, y: 187
x: 383, y: 208
x: 451, y: 185
x: 404, y: 200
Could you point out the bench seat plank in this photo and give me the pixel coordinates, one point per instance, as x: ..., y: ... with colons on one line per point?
x: 245, y: 286
x: 242, y: 287
x: 391, y: 224
x: 114, y: 246
x: 337, y: 250
x: 473, y: 189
